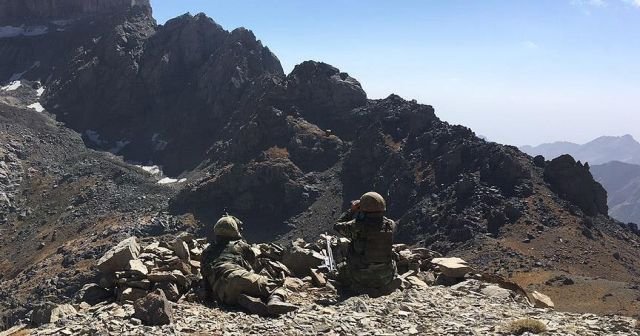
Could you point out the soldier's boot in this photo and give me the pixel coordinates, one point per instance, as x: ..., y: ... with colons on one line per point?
x: 277, y: 306
x: 253, y: 305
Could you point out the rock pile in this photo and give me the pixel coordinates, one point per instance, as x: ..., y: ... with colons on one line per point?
x: 132, y: 272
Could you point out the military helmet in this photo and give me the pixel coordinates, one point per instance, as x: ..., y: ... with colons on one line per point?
x: 228, y: 227
x: 372, y: 202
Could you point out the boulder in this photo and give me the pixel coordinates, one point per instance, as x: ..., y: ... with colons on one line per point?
x: 50, y: 313
x: 496, y: 292
x: 181, y: 249
x: 170, y: 290
x: 318, y: 278
x: 92, y: 294
x: 154, y: 309
x: 540, y: 300
x: 118, y: 257
x: 300, y: 260
x: 415, y: 282
x: 452, y: 267
x: 137, y: 267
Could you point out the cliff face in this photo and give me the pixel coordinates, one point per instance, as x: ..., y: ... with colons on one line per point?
x: 13, y: 11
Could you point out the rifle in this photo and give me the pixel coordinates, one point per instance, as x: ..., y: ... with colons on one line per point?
x: 328, y: 254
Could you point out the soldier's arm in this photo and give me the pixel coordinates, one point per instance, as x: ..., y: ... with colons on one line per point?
x: 343, y: 228
x: 351, y: 213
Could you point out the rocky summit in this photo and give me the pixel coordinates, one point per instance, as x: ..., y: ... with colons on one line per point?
x: 113, y: 127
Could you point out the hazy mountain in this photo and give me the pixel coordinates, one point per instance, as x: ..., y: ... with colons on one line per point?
x: 601, y: 150
x: 622, y: 182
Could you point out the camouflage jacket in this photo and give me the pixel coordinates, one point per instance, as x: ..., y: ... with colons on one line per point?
x: 371, y: 240
x: 223, y: 257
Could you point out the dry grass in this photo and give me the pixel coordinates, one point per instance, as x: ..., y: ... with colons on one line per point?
x: 519, y: 327
x: 277, y: 153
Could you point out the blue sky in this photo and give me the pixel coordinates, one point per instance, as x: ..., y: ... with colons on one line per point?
x: 516, y: 71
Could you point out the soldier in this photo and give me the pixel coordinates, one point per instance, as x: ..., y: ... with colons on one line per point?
x: 370, y: 266
x: 227, y: 267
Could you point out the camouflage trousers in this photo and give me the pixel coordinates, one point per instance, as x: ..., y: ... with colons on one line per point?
x: 235, y: 280
x: 372, y: 279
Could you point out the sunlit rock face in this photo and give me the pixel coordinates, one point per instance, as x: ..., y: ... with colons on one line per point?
x: 14, y: 11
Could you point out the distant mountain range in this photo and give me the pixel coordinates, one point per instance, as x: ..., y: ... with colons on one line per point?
x: 599, y: 151
x: 622, y: 182
x: 615, y: 163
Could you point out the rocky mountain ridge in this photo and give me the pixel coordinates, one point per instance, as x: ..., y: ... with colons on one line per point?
x: 284, y: 152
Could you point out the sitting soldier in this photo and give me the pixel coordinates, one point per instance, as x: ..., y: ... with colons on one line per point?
x: 370, y: 266
x: 227, y: 267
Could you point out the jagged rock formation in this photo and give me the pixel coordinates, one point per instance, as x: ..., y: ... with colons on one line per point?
x: 573, y: 181
x: 283, y: 152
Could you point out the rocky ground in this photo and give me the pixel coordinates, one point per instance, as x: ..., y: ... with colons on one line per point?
x: 436, y: 310
x: 467, y: 305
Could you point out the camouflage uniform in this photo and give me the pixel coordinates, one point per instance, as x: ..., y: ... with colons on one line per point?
x: 229, y: 272
x: 370, y: 264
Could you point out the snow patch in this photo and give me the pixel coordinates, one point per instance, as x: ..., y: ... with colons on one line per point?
x: 12, y: 86
x: 40, y: 91
x: 153, y: 170
x: 11, y: 31
x: 168, y: 180
x: 37, y: 107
